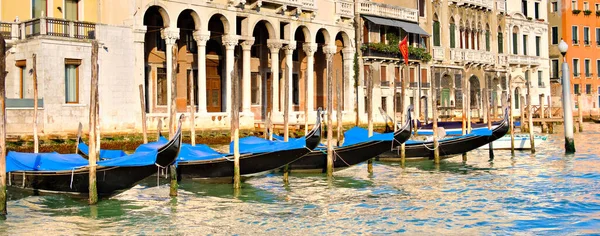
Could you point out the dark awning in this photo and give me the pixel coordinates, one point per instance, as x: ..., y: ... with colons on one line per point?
x: 407, y: 26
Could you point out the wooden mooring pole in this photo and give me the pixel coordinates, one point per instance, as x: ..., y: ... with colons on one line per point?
x: 580, y: 112
x: 489, y: 120
x: 36, y: 140
x: 329, y: 115
x: 192, y: 117
x: 436, y: 151
x: 530, y: 120
x: 158, y: 129
x: 402, y: 102
x: 338, y: 96
x: 3, y: 196
x: 235, y: 125
x: 93, y: 154
x: 370, y: 111
x: 286, y: 117
x: 143, y: 112
x: 172, y: 119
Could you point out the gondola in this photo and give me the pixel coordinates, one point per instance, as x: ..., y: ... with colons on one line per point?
x: 453, y: 128
x: 68, y: 173
x: 257, y: 156
x: 357, y: 148
x: 450, y: 146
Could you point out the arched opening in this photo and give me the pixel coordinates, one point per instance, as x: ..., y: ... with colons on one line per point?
x: 496, y: 93
x: 339, y: 75
x: 187, y: 59
x: 436, y: 31
x: 261, y: 78
x: 322, y: 38
x: 475, y: 92
x: 215, y: 65
x: 515, y: 40
x: 299, y: 74
x: 452, y: 33
x: 487, y: 38
x: 517, y: 98
x: 155, y: 77
x: 500, y: 40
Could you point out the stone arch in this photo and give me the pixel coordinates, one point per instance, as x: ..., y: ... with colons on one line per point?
x: 224, y: 21
x: 322, y: 36
x: 193, y: 14
x: 344, y: 38
x: 305, y: 33
x: 161, y: 9
x: 269, y: 26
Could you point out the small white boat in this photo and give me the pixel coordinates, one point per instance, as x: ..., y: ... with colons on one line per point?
x: 521, y: 142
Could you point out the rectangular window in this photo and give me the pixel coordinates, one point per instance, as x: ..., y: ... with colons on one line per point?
x: 576, y: 67
x: 598, y: 89
x: 254, y: 88
x: 540, y: 81
x: 598, y: 36
x: 537, y: 10
x: 452, y: 36
x: 422, y: 8
x: 71, y: 9
x: 296, y: 90
x: 538, y: 40
x: 524, y: 7
x: 554, y: 68
x: 587, y: 68
x: 487, y: 40
x: 554, y: 7
x: 161, y: 86
x: 500, y: 42
x: 586, y: 6
x: 382, y: 34
x: 39, y: 6
x: 574, y: 5
x: 598, y: 68
x: 436, y: 34
x: 576, y: 88
x: 554, y: 34
x: 597, y: 7
x: 22, y: 65
x: 575, y: 33
x: 588, y: 89
x: 412, y: 75
x: 586, y: 35
x: 527, y: 76
x: 524, y: 44
x: 515, y: 44
x: 384, y: 103
x: 72, y: 80
x: 366, y: 32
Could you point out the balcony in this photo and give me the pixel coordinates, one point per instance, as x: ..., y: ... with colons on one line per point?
x: 502, y: 60
x: 385, y: 83
x: 486, y: 5
x: 438, y: 53
x: 285, y: 5
x: 413, y: 84
x: 344, y: 9
x: 388, y: 11
x: 523, y: 60
x: 425, y: 85
x: 47, y: 26
x: 500, y: 6
x: 391, y: 51
x: 469, y: 56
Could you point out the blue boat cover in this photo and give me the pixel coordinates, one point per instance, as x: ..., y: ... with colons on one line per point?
x: 17, y: 161
x: 360, y: 135
x: 104, y: 154
x: 198, y: 153
x: 257, y: 145
x: 474, y: 132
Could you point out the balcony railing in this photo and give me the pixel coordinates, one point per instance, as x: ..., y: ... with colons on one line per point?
x: 47, y: 26
x: 385, y: 83
x: 522, y: 60
x: 541, y: 85
x: 438, y: 53
x: 469, y: 56
x: 425, y: 85
x: 344, y: 9
x: 500, y: 5
x: 388, y: 11
x: 483, y: 4
x: 502, y: 60
x: 413, y: 84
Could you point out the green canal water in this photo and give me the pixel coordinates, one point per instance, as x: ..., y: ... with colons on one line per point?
x: 545, y: 193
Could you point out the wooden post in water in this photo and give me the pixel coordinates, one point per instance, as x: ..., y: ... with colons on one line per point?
x: 530, y: 119
x: 542, y: 115
x: 306, y: 109
x: 580, y: 112
x: 192, y: 108
x: 511, y: 119
x: 522, y: 108
x: 93, y: 154
x: 402, y: 102
x: 143, y: 111
x: 235, y: 124
x: 370, y: 111
x: 79, y: 134
x: 436, y: 151
x: 464, y: 116
x: 468, y: 106
x: 36, y: 141
x: 172, y: 119
x: 489, y: 120
x: 286, y: 116
x: 3, y: 196
x: 339, y: 107
x: 158, y: 129
x: 329, y: 115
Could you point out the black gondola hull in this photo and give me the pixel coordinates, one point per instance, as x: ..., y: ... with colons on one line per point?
x: 250, y: 164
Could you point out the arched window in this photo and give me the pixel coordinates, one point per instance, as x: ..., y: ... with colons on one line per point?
x: 500, y: 41
x: 436, y: 31
x: 517, y: 97
x: 515, y: 40
x: 452, y: 33
x: 487, y: 38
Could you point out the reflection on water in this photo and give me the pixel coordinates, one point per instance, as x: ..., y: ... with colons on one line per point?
x: 546, y: 192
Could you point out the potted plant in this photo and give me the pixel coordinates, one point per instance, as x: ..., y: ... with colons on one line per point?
x: 576, y: 12
x: 587, y: 12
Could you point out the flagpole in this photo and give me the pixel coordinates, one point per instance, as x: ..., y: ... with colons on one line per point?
x: 403, y: 48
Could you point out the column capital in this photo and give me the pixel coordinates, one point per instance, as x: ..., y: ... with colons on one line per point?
x: 274, y: 45
x: 230, y: 41
x: 310, y: 48
x: 289, y: 49
x: 201, y: 37
x: 247, y: 45
x: 329, y: 49
x: 348, y: 53
x: 170, y: 35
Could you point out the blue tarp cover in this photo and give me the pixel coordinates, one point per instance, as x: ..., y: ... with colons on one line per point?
x: 359, y: 135
x: 198, y: 152
x: 475, y: 132
x: 17, y: 161
x: 104, y: 154
x: 257, y: 145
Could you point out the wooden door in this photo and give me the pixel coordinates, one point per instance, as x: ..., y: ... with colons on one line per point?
x: 213, y: 86
x: 445, y: 97
x: 268, y: 97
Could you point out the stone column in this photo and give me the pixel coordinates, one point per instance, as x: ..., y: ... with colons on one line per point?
x: 274, y: 46
x: 289, y: 50
x: 170, y: 35
x: 201, y: 39
x: 246, y: 83
x: 348, y: 55
x: 229, y: 41
x: 310, y: 49
x: 139, y: 34
x: 329, y: 51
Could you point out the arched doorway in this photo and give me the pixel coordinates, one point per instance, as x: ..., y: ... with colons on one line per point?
x: 322, y: 38
x: 299, y: 80
x: 155, y: 79
x: 187, y: 59
x: 215, y: 65
x: 447, y: 93
x: 262, y: 79
x: 517, y: 98
x: 475, y: 94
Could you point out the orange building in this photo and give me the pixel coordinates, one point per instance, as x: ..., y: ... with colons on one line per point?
x: 580, y: 28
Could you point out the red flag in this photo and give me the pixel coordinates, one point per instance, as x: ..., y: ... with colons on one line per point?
x: 403, y: 46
